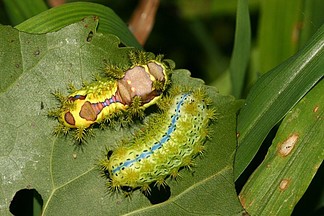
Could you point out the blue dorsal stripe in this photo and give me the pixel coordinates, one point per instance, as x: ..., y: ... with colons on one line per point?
x: 105, y: 103
x: 161, y: 142
x: 109, y: 101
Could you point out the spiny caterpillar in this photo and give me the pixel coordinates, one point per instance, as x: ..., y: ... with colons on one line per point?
x: 122, y: 93
x: 169, y: 141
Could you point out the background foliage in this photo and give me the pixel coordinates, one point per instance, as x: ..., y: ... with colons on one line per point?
x: 267, y: 52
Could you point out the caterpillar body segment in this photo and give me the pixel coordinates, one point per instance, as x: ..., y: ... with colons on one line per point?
x: 167, y: 142
x: 145, y: 81
x: 90, y: 105
x: 112, y: 98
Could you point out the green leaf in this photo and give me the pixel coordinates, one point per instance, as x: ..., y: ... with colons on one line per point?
x: 69, y: 180
x: 18, y: 11
x: 312, y: 20
x: 278, y: 34
x: 193, y: 8
x: 274, y: 94
x: 58, y: 17
x: 292, y: 160
x: 241, y: 52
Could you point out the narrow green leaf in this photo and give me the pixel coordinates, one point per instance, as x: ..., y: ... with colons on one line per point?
x: 193, y: 8
x: 241, y: 53
x: 58, y: 17
x: 37, y: 206
x: 9, y: 73
x: 292, y: 160
x: 274, y: 94
x: 69, y: 180
x: 277, y: 35
x: 312, y: 19
x: 20, y: 10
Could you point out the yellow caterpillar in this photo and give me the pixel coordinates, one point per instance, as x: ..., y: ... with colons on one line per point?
x: 122, y: 96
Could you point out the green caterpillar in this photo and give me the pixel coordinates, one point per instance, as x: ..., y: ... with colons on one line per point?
x: 168, y: 142
x: 123, y: 93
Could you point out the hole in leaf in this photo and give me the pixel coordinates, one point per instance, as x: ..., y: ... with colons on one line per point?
x: 110, y: 152
x: 120, y: 45
x: 158, y: 194
x: 127, y: 189
x: 26, y: 202
x: 90, y: 35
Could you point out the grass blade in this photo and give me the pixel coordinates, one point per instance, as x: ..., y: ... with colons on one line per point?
x: 241, y: 52
x: 278, y: 39
x: 18, y: 11
x: 292, y: 161
x: 274, y: 94
x: 58, y: 17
